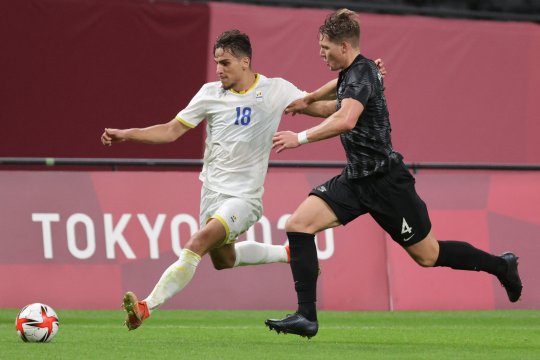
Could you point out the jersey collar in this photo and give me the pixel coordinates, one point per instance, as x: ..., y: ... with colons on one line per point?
x: 249, y: 89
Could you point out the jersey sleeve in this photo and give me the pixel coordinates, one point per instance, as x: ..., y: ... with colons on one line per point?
x: 195, y: 111
x: 289, y: 93
x: 359, y: 86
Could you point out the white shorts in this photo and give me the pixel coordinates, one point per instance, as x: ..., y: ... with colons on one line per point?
x: 235, y: 213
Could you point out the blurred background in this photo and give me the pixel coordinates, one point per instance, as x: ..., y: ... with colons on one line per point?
x: 521, y: 10
x: 463, y: 86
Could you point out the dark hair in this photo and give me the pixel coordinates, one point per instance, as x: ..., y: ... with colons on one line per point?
x: 235, y: 41
x: 340, y: 26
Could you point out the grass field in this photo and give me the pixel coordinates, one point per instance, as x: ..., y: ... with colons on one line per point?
x: 182, y: 334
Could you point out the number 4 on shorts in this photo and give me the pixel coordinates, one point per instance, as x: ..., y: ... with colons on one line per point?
x: 405, y: 228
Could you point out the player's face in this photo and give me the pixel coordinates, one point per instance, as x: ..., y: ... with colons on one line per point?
x: 331, y: 53
x: 229, y: 68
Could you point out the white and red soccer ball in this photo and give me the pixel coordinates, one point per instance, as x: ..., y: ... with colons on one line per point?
x: 37, y: 323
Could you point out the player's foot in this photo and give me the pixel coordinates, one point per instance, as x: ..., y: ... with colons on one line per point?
x: 510, y: 279
x: 137, y: 311
x: 288, y: 250
x: 294, y: 324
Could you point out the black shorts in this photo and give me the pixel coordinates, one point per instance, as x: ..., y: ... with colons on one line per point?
x: 390, y: 198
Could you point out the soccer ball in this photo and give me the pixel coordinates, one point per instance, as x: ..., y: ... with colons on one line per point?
x: 37, y: 323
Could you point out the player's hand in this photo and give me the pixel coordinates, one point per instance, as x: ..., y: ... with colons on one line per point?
x: 297, y: 106
x: 380, y: 65
x: 111, y: 136
x: 283, y: 140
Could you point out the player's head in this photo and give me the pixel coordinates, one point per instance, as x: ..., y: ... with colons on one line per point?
x: 232, y: 54
x: 339, y: 36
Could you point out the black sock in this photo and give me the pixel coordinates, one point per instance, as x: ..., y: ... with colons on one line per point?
x: 305, y: 269
x: 460, y: 255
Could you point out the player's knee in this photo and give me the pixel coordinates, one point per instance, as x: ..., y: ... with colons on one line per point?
x: 425, y: 252
x: 426, y: 261
x: 295, y: 224
x: 222, y: 264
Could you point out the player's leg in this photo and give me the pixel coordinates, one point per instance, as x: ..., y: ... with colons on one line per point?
x: 407, y: 221
x: 255, y: 253
x: 460, y: 255
x: 211, y: 234
x: 457, y: 255
x: 312, y: 216
x: 180, y: 273
x: 176, y: 276
x: 237, y: 216
x: 247, y: 253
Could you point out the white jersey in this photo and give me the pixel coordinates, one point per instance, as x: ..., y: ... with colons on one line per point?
x: 239, y: 132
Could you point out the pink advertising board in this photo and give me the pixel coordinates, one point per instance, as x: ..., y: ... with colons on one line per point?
x: 81, y: 239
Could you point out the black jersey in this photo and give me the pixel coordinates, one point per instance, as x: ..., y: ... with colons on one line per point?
x: 368, y: 145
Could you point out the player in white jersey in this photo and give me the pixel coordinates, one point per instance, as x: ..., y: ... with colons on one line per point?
x: 239, y: 125
x: 243, y: 110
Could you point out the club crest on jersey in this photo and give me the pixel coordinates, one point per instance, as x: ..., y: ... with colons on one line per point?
x: 234, y: 218
x: 258, y: 95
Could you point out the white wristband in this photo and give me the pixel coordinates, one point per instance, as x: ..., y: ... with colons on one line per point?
x: 302, y: 138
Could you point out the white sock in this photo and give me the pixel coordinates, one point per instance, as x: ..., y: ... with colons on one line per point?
x: 254, y: 253
x: 174, y: 279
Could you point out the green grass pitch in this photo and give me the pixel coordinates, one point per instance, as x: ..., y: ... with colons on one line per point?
x: 183, y: 334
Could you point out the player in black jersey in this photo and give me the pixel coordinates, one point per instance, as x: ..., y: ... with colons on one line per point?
x: 375, y: 180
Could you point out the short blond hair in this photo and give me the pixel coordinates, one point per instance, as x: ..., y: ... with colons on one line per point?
x: 342, y: 25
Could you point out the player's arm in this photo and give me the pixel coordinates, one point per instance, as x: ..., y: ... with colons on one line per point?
x: 341, y: 121
x: 323, y: 108
x: 156, y: 134
x: 309, y: 104
x: 325, y: 92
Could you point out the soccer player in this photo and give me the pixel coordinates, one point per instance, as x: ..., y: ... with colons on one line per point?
x: 374, y: 181
x: 243, y: 110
